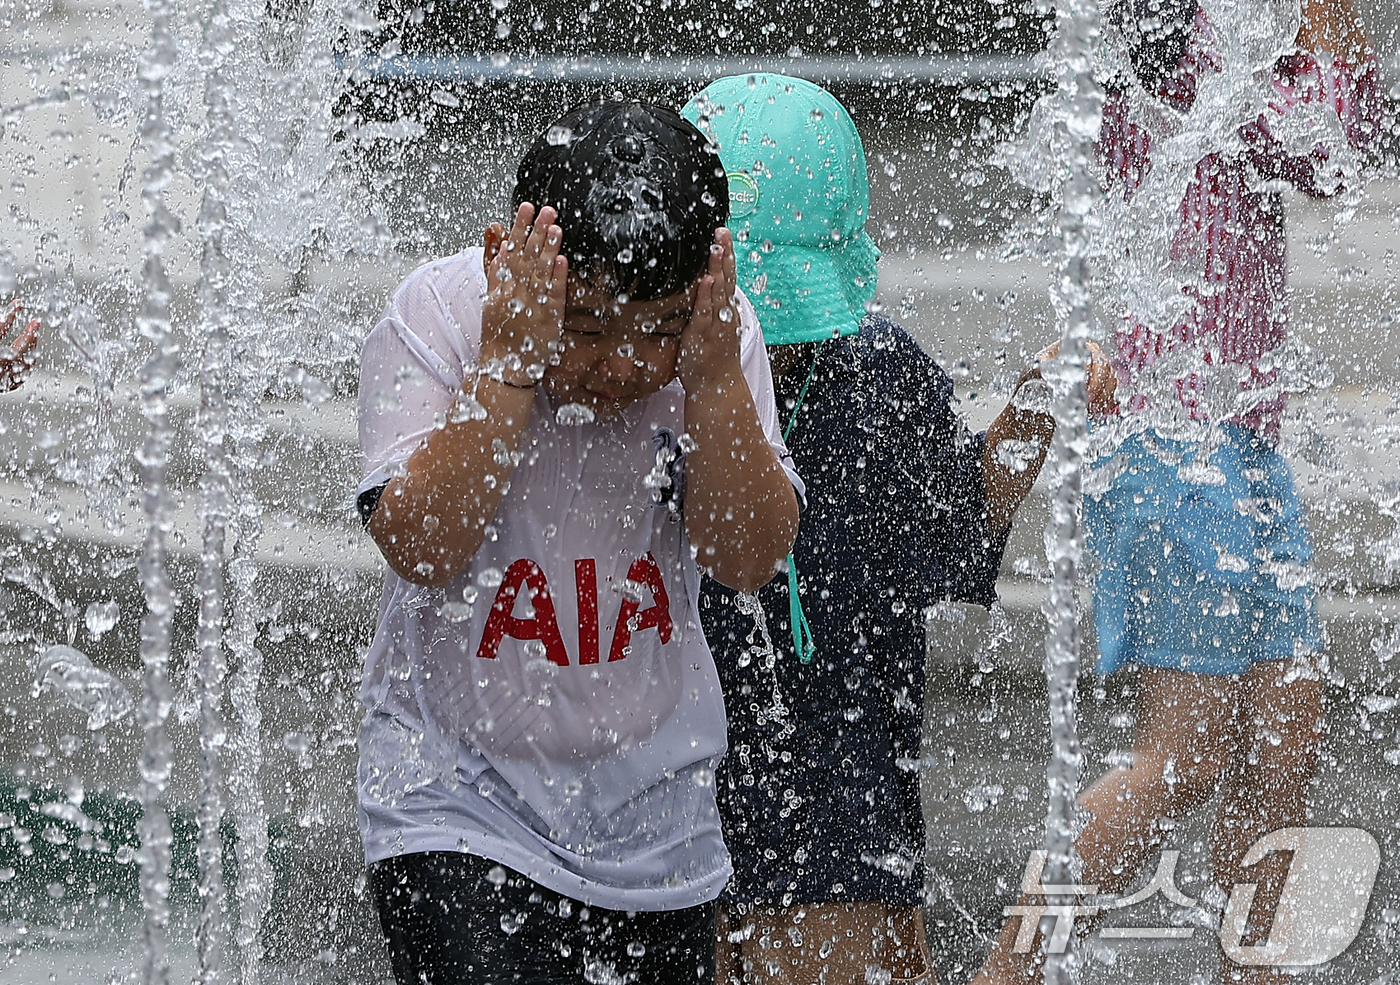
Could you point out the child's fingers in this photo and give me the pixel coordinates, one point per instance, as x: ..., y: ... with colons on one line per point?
x: 27, y: 339
x: 497, y: 232
x: 553, y: 237
x: 10, y: 317
x: 535, y: 241
x: 725, y: 239
x: 714, y: 275
x: 541, y: 272
x: 554, y: 291
x: 704, y: 301
x: 519, y: 230
x: 714, y: 268
x: 504, y: 265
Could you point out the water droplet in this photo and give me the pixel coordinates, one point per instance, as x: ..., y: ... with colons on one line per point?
x: 466, y: 408
x: 455, y: 611
x: 979, y: 797
x: 574, y: 414
x: 597, y: 972
x: 101, y: 616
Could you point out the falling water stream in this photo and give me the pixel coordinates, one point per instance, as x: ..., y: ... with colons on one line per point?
x: 216, y: 501
x: 1079, y: 112
x: 156, y: 66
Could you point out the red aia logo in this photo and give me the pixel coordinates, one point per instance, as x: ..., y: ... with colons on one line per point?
x: 544, y: 626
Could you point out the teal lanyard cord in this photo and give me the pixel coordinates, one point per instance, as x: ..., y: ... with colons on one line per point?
x: 802, y: 640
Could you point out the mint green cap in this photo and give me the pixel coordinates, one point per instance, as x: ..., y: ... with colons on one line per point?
x: 799, y: 196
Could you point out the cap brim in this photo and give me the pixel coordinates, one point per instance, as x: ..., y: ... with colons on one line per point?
x: 797, y: 293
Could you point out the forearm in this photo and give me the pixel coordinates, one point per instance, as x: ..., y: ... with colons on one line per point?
x: 1334, y: 27
x: 1016, y: 445
x: 740, y: 507
x: 431, y: 521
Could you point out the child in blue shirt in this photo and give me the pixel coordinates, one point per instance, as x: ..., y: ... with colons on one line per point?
x: 905, y: 508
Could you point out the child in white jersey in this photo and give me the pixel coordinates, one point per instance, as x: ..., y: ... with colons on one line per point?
x: 560, y: 431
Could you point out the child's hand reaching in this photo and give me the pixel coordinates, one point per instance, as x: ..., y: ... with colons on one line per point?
x: 1100, y: 381
x: 523, y: 314
x: 709, y: 352
x: 15, y: 368
x: 1102, y: 384
x: 1024, y: 429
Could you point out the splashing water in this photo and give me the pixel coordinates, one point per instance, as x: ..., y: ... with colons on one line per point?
x: 1057, y: 159
x: 99, y: 617
x: 96, y: 693
x: 574, y: 415
x: 762, y: 653
x: 250, y: 116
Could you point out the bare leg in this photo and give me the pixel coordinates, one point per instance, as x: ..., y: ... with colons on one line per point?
x: 1181, y: 749
x: 1281, y: 722
x: 823, y: 944
x: 728, y: 957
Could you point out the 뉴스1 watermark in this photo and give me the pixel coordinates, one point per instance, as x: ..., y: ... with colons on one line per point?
x: 1325, y: 893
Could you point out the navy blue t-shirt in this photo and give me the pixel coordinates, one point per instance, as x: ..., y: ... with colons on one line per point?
x: 815, y: 806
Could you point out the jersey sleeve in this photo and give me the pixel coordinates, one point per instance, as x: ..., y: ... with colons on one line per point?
x: 753, y: 357
x: 414, y: 361
x: 1319, y: 112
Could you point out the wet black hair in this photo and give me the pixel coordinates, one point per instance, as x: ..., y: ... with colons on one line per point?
x: 639, y: 192
x: 1157, y: 32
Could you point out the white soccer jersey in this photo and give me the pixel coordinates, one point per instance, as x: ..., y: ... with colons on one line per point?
x: 555, y: 708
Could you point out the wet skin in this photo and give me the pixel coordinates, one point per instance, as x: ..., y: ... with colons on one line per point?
x: 604, y: 353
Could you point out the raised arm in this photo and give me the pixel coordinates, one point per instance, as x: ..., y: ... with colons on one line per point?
x: 430, y: 521
x: 14, y: 368
x: 1333, y: 27
x: 1020, y: 436
x: 1334, y: 67
x: 740, y: 507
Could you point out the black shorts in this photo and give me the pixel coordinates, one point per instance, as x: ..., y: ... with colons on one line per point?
x: 457, y: 919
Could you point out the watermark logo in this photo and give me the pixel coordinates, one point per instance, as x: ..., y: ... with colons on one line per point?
x: 1331, y: 875
x: 743, y: 194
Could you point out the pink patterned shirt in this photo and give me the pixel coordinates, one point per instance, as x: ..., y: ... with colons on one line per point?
x: 1231, y: 236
